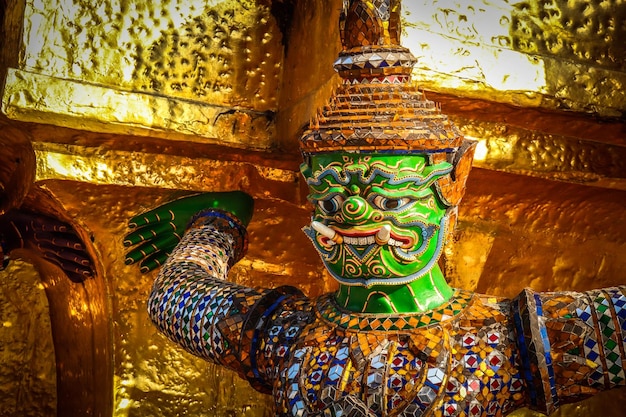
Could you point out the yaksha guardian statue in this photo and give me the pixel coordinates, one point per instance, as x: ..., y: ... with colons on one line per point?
x: 386, y: 171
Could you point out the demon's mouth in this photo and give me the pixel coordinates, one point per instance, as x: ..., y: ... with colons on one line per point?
x: 380, y: 236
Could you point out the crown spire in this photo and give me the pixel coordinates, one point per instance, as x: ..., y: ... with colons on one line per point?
x: 370, y: 37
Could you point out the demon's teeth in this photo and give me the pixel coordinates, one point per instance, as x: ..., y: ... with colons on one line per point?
x: 383, y: 237
x: 360, y: 241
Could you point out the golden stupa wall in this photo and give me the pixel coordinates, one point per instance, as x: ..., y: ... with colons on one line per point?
x: 127, y: 104
x: 557, y: 54
x: 167, y: 69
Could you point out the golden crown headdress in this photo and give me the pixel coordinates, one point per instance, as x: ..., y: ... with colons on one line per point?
x: 377, y: 107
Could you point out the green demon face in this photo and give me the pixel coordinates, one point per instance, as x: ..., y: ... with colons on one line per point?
x: 377, y: 220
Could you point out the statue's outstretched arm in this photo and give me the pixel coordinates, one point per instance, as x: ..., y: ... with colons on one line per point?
x: 572, y: 344
x: 191, y: 301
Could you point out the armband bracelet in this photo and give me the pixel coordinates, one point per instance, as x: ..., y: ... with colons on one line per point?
x: 227, y: 223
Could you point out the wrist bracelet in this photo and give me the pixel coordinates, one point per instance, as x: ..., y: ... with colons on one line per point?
x: 227, y: 223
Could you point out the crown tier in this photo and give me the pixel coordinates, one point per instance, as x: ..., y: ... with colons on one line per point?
x: 381, y: 116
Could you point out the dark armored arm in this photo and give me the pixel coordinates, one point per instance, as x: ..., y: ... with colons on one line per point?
x: 194, y: 305
x: 572, y: 345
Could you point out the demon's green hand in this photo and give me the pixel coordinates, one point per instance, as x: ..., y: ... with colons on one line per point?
x: 49, y: 238
x: 157, y: 232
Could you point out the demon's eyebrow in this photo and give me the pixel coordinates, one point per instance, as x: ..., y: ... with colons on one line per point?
x: 343, y: 176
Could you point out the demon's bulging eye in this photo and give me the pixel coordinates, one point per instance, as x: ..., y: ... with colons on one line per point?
x: 331, y: 205
x: 388, y: 204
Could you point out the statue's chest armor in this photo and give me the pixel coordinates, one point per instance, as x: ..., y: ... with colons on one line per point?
x: 449, y: 368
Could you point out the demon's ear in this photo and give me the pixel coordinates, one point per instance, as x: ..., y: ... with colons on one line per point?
x: 305, y: 170
x: 452, y: 188
x: 453, y: 215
